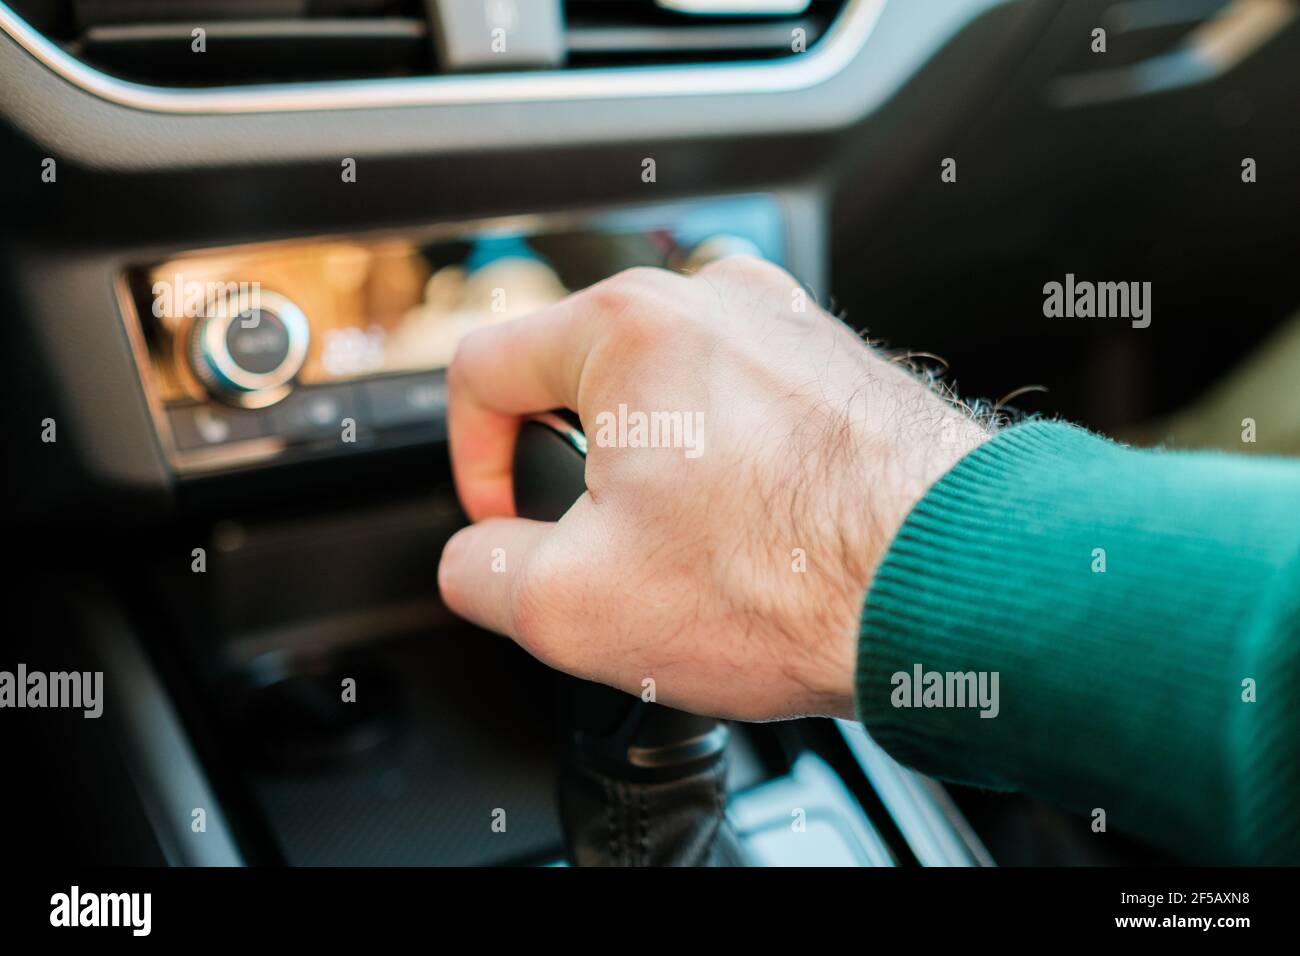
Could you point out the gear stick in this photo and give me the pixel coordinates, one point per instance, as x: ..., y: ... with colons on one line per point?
x: 642, y: 784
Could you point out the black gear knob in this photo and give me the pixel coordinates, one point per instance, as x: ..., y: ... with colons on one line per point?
x: 550, y: 465
x: 666, y: 763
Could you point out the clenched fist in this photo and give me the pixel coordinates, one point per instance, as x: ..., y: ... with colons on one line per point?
x: 749, y: 463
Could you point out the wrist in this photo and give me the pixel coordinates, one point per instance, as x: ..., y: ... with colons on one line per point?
x: 883, y: 503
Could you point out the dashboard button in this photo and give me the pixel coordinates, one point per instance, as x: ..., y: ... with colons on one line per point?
x: 260, y: 348
x: 407, y: 400
x: 250, y: 347
x: 315, y: 412
x: 202, y: 426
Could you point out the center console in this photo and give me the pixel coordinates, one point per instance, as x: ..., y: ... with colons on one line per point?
x: 289, y: 354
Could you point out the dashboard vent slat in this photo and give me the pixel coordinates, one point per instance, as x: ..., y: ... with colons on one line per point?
x: 253, y: 51
x: 287, y: 41
x: 634, y: 32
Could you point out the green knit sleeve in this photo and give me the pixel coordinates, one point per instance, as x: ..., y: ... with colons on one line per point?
x: 1106, y: 628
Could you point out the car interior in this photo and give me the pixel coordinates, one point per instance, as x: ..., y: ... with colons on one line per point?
x: 232, y: 519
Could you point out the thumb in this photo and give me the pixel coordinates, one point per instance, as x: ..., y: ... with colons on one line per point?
x: 480, y: 565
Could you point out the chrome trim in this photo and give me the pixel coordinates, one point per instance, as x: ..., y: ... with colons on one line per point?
x: 735, y: 7
x: 563, y: 428
x: 218, y: 370
x: 841, y: 44
x: 161, y: 760
x: 935, y: 830
x: 255, y: 451
x: 811, y: 785
x: 200, y: 459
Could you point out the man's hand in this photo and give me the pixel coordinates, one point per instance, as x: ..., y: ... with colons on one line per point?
x: 732, y: 569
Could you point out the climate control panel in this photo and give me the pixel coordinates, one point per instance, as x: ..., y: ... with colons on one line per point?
x: 259, y: 353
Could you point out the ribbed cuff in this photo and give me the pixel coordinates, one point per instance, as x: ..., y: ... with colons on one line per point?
x: 1103, y: 586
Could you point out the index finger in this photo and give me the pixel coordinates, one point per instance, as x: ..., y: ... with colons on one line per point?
x: 532, y: 364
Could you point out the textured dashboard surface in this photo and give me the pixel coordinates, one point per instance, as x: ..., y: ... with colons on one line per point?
x: 477, y: 736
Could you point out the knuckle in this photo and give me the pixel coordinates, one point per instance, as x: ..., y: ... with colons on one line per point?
x: 649, y: 317
x: 643, y: 328
x: 627, y: 292
x: 459, y: 378
x: 644, y: 277
x: 532, y: 611
x: 448, y: 579
x: 611, y: 299
x: 551, y: 608
x: 456, y: 371
x: 746, y: 267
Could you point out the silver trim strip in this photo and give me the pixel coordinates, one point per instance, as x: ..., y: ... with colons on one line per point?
x: 934, y: 829
x: 249, y: 389
x: 161, y: 760
x: 843, y: 41
x: 734, y: 7
x: 818, y: 790
x: 562, y: 428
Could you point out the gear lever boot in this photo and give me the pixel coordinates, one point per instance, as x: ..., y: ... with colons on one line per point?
x: 642, y: 785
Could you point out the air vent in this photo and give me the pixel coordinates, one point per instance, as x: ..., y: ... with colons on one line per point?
x: 243, y: 41
x: 285, y: 41
x: 638, y: 32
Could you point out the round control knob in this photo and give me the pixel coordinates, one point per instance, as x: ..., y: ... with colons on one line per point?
x: 248, y: 348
